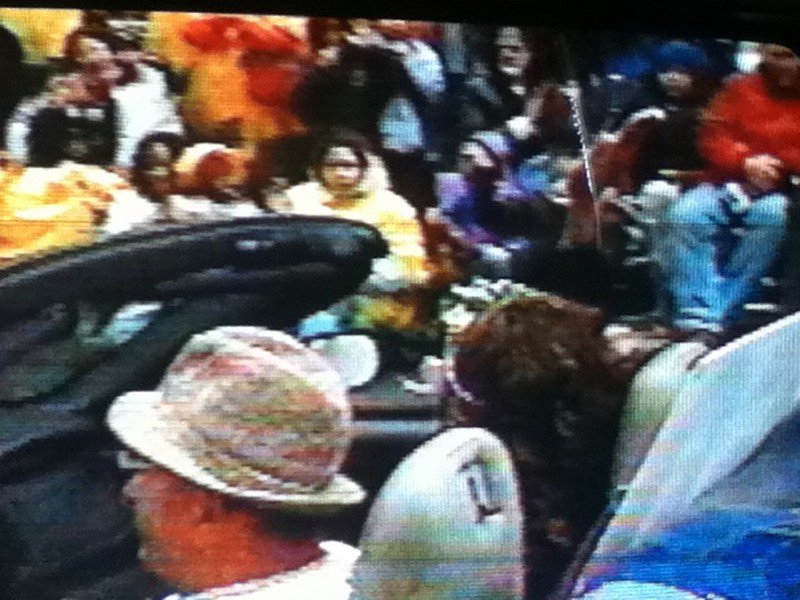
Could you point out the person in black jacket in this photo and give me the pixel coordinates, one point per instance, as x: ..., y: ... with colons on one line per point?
x: 501, y: 83
x: 77, y: 119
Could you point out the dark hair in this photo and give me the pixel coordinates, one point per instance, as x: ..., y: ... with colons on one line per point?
x: 11, y: 56
x: 174, y: 142
x: 120, y: 44
x: 72, y: 42
x: 340, y: 139
x: 318, y: 29
x: 544, y: 62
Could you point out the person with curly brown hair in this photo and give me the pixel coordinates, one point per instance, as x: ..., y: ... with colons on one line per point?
x: 545, y: 375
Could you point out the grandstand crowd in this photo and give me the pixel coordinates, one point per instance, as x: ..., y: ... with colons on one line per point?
x: 628, y: 171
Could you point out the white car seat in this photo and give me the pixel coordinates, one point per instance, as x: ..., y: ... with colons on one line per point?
x: 446, y: 525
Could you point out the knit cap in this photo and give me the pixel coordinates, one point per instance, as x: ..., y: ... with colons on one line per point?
x: 683, y: 55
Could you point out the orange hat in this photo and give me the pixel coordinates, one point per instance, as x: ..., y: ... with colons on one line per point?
x: 210, y: 34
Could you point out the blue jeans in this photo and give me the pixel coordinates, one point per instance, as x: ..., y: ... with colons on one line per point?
x: 714, y: 253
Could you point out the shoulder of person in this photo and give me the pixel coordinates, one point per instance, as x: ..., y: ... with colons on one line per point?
x: 128, y: 209
x: 630, y: 348
x: 394, y: 203
x: 645, y: 114
x: 239, y: 210
x: 192, y: 204
x: 741, y: 83
x: 424, y: 50
x: 152, y: 75
x: 330, y: 573
x: 305, y: 190
x: 306, y: 198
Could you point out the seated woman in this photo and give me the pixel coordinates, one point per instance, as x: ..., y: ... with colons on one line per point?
x: 153, y: 180
x: 348, y: 181
x: 486, y: 206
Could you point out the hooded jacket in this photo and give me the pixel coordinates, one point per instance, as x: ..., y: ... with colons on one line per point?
x: 374, y: 203
x: 499, y: 210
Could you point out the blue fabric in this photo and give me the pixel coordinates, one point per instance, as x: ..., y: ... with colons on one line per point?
x: 769, y: 476
x: 321, y: 323
x: 479, y: 218
x: 681, y: 55
x: 456, y: 203
x: 740, y: 554
x: 536, y: 175
x: 425, y: 69
x: 715, y: 253
x: 400, y: 126
x: 630, y: 66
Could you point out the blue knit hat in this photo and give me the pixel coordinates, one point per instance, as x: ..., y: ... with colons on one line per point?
x: 682, y: 55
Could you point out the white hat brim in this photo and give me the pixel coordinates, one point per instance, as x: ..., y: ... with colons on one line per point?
x: 135, y: 419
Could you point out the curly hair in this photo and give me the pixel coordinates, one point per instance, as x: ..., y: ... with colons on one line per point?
x: 539, y: 372
x: 526, y: 353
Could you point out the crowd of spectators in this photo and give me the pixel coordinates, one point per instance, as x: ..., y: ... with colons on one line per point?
x: 530, y: 154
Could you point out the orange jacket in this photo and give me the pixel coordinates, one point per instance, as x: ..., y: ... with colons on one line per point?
x: 744, y: 119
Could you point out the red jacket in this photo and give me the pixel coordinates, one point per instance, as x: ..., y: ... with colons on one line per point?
x: 743, y: 120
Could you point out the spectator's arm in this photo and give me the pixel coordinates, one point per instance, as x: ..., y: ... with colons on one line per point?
x: 453, y: 211
x: 125, y: 212
x: 457, y: 213
x: 631, y: 156
x: 719, y: 139
x: 426, y: 71
x: 19, y: 126
x: 170, y: 118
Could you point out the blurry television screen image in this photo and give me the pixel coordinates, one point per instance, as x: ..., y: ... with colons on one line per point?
x: 307, y: 306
